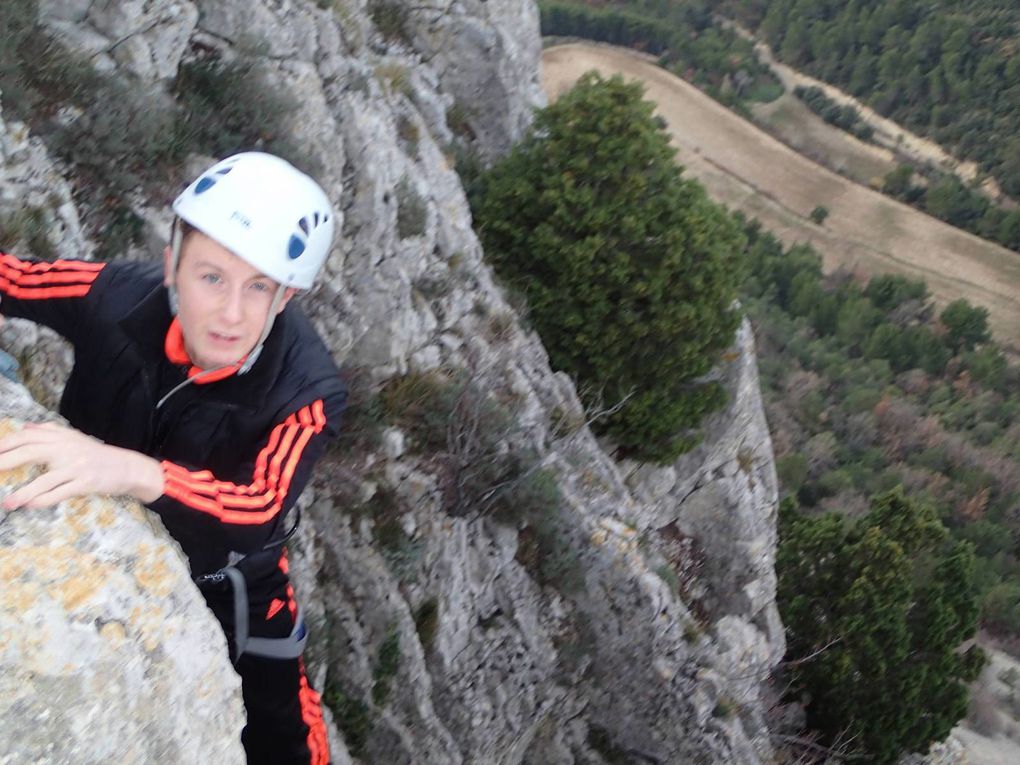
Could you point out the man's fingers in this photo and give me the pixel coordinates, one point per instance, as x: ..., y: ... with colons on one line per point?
x: 33, y: 493
x: 66, y: 490
x: 34, y: 434
x: 25, y: 454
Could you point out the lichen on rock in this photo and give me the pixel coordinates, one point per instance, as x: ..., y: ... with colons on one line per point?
x: 107, y: 651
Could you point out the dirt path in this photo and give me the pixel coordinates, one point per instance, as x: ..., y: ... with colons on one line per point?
x: 748, y: 170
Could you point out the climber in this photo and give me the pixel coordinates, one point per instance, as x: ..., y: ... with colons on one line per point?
x: 200, y: 390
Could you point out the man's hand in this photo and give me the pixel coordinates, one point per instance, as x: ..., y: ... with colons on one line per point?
x: 76, y: 465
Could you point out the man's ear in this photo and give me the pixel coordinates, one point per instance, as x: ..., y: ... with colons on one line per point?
x: 167, y: 276
x: 287, y: 295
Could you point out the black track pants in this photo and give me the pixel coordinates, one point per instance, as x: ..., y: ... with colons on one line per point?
x: 285, y: 724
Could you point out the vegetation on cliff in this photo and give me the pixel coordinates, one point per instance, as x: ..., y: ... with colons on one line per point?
x: 629, y: 270
x: 120, y: 137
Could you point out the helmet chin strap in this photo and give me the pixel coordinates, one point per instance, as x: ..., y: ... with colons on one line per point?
x: 175, y: 258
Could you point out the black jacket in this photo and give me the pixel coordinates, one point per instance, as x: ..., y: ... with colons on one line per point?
x: 235, y: 453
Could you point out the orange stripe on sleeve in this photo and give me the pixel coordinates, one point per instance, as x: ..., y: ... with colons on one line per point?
x: 56, y: 265
x: 40, y: 281
x: 260, y: 500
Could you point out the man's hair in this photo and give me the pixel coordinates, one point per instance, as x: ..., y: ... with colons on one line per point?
x: 186, y: 230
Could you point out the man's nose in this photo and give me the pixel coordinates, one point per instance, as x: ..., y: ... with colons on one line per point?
x: 232, y: 308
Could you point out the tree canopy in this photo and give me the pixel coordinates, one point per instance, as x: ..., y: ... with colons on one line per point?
x: 878, y: 610
x: 629, y: 270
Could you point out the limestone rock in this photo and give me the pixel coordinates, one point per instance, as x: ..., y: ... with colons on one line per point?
x: 107, y: 651
x: 484, y: 54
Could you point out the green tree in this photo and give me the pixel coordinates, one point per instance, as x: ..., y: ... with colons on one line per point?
x: 630, y: 272
x: 880, y: 607
x: 967, y: 325
x: 819, y: 214
x: 887, y: 291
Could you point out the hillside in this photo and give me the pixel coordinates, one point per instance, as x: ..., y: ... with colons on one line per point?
x: 948, y: 69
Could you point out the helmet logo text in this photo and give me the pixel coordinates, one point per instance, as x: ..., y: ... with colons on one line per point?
x: 241, y: 218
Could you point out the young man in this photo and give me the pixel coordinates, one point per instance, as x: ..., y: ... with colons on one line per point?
x: 199, y: 390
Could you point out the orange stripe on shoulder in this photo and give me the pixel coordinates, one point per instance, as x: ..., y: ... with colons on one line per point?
x: 41, y: 281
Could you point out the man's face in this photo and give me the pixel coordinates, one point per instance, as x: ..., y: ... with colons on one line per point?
x: 223, y: 301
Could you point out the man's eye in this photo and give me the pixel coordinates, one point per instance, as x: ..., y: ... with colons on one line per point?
x: 211, y: 278
x: 260, y: 286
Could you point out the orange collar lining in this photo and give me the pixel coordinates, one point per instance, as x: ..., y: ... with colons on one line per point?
x: 178, y: 354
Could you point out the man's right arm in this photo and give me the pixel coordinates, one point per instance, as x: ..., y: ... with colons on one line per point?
x: 47, y: 293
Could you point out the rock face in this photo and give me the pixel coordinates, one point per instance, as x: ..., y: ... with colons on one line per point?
x: 484, y: 55
x: 633, y: 621
x: 107, y: 653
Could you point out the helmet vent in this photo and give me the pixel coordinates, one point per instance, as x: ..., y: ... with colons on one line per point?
x: 297, y: 243
x: 295, y: 247
x: 208, y: 181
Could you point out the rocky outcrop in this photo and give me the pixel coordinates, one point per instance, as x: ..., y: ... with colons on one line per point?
x: 636, y: 618
x: 107, y: 651
x: 484, y: 55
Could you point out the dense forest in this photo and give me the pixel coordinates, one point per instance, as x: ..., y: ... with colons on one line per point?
x: 949, y: 69
x: 866, y: 388
x: 685, y: 36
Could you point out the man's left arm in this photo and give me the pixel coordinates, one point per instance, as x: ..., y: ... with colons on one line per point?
x: 251, y: 503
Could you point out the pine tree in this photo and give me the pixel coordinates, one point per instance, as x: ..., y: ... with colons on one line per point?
x: 881, y: 607
x: 967, y: 325
x: 629, y: 270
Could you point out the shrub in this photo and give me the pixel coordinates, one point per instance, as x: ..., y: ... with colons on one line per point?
x: 353, y: 716
x: 483, y: 473
x: 390, y: 18
x: 819, y: 214
x: 411, y: 210
x: 888, y: 291
x: 408, y: 132
x: 421, y: 403
x: 230, y: 106
x: 630, y: 272
x: 386, y: 667
x: 458, y: 119
x: 396, y: 77
x: 27, y: 226
x: 426, y: 622
x: 125, y: 137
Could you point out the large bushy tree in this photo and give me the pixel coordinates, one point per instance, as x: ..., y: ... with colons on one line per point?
x: 881, y: 608
x: 629, y: 270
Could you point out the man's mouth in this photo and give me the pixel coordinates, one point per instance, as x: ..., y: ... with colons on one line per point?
x: 225, y: 339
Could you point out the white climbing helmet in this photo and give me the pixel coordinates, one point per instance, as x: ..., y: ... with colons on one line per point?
x: 265, y: 211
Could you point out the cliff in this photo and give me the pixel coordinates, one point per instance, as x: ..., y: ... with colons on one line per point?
x: 634, y: 619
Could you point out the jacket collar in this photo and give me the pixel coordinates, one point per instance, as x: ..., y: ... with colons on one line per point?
x: 155, y: 334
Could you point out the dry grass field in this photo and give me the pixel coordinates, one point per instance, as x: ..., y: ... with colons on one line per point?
x: 790, y: 120
x: 748, y: 170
